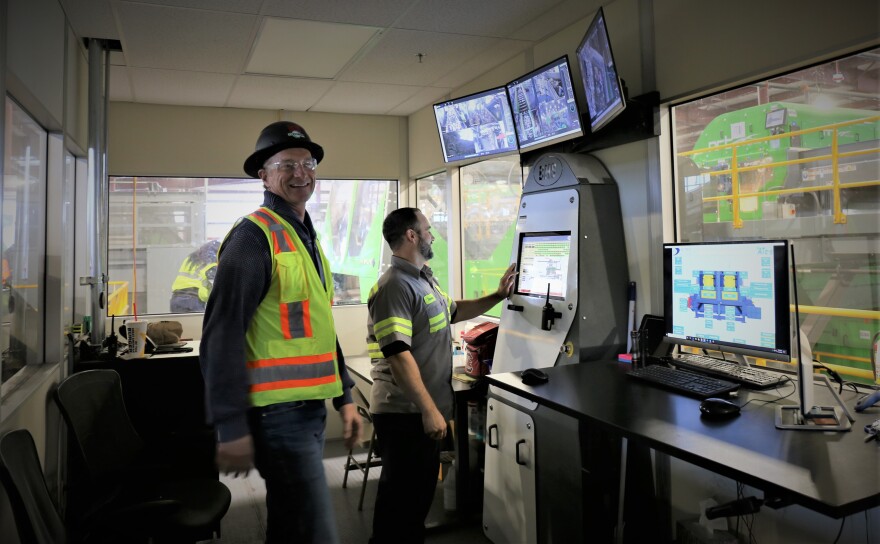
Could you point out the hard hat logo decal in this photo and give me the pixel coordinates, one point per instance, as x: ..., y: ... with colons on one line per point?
x: 295, y: 132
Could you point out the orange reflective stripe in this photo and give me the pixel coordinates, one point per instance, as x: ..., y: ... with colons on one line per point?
x: 307, y: 319
x: 263, y: 217
x: 275, y: 247
x: 285, y: 321
x: 288, y: 384
x: 302, y: 360
x: 289, y: 241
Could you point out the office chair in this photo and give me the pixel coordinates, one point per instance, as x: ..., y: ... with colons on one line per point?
x: 36, y: 518
x: 124, y: 491
x: 372, y: 460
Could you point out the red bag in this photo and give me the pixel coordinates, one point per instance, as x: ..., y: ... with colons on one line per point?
x: 480, y: 348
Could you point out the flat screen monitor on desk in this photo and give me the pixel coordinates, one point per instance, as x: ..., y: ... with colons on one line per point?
x: 728, y: 296
x: 543, y: 263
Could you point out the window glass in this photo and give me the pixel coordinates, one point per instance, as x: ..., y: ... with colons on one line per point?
x: 23, y: 241
x: 490, y: 192
x: 796, y: 157
x: 433, y: 196
x: 155, y: 221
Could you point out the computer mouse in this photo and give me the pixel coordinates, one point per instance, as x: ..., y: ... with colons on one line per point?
x: 719, y: 408
x: 533, y: 376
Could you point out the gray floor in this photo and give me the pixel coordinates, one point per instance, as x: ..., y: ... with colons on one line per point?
x: 245, y: 522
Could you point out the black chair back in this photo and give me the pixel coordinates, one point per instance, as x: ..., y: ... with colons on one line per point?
x: 36, y: 516
x: 92, y: 405
x: 128, y: 492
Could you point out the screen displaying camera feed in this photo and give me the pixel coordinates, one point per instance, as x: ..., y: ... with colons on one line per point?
x: 544, y: 106
x: 476, y: 125
x: 601, y: 83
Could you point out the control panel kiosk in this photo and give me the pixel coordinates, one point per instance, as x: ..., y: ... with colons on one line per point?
x: 569, y: 306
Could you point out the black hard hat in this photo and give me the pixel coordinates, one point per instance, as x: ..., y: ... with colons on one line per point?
x: 274, y: 138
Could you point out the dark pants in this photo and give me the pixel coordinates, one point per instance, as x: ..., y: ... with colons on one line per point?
x: 288, y: 448
x: 410, y: 463
x: 182, y: 303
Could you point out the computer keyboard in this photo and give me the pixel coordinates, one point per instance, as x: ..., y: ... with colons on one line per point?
x: 684, y: 381
x: 747, y: 376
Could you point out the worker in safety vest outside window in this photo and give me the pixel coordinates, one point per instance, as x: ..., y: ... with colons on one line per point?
x: 190, y: 290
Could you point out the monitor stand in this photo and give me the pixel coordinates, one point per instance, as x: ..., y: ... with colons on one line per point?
x: 819, y: 418
x: 805, y: 416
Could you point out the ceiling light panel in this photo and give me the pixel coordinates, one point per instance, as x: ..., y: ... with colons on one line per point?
x: 291, y: 47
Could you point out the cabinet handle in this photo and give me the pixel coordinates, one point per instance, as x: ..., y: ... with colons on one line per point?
x: 489, y: 437
x: 518, y: 444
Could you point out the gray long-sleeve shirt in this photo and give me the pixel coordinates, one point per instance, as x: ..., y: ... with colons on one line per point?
x: 244, y: 274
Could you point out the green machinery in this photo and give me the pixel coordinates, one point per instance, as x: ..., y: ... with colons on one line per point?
x: 351, y: 233
x: 779, y: 159
x: 759, y: 130
x: 351, y: 236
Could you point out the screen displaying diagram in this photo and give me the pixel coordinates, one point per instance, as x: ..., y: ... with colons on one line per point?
x: 724, y: 294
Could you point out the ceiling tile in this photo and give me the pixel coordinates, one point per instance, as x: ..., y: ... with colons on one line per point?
x: 91, y: 18
x: 482, y: 62
x: 364, y: 98
x: 486, y: 18
x: 234, y: 6
x: 548, y: 22
x: 184, y: 39
x: 175, y: 87
x: 394, y: 58
x: 371, y: 13
x: 426, y: 96
x: 267, y: 92
x: 281, y: 43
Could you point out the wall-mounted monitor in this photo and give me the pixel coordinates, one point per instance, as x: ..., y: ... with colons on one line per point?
x: 775, y: 118
x: 543, y: 264
x: 544, y: 106
x: 602, y: 85
x: 476, y: 125
x: 729, y: 296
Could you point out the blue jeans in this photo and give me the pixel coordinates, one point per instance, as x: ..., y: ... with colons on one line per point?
x: 289, y: 448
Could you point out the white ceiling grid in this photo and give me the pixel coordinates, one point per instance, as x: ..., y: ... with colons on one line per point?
x: 342, y: 56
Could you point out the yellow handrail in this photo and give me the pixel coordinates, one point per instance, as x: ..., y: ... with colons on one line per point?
x: 837, y: 312
x: 117, y: 300
x: 834, y: 156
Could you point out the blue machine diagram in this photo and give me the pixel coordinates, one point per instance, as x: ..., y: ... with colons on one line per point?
x: 720, y: 295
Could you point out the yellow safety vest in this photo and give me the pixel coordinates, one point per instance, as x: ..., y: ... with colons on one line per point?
x: 290, y: 344
x: 190, y: 276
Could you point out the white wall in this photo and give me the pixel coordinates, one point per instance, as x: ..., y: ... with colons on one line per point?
x: 147, y: 139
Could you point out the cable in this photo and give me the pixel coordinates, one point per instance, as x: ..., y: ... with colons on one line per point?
x: 764, y: 402
x: 833, y: 373
x: 840, y: 531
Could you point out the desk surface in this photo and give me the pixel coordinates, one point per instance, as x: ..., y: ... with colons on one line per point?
x: 836, y: 474
x: 361, y: 366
